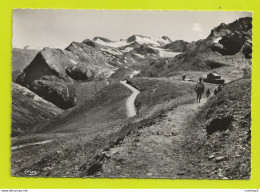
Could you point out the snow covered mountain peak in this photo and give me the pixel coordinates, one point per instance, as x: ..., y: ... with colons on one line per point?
x: 139, y: 39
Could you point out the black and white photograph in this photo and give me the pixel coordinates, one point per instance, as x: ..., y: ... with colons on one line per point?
x: 131, y: 94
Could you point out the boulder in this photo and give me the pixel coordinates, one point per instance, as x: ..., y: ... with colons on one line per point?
x: 218, y: 124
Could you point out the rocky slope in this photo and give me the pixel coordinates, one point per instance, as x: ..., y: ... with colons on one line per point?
x: 28, y: 109
x: 226, y: 50
x: 178, y: 46
x: 222, y: 133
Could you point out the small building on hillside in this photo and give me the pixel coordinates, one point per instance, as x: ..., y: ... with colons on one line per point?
x: 214, y: 78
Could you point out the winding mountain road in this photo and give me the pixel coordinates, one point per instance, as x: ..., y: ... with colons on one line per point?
x: 130, y: 102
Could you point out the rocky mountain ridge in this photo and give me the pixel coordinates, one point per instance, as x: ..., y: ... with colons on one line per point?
x: 52, y: 69
x: 226, y: 50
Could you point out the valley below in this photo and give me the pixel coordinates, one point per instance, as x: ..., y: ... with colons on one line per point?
x: 127, y: 109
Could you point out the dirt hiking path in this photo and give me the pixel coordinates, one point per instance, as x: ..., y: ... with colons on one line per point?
x: 153, y: 152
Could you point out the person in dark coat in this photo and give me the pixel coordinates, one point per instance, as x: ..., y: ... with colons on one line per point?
x: 219, y: 88
x: 208, y: 93
x: 200, y: 87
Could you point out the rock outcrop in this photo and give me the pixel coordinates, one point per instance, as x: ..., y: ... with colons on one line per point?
x: 52, y: 69
x: 55, y: 92
x: 233, y: 38
x: 49, y: 62
x: 166, y: 38
x: 88, y: 73
x: 145, y: 49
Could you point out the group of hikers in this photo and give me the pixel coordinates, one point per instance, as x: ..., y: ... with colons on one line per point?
x: 200, y: 88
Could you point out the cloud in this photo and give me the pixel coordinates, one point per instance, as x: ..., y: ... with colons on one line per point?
x: 196, y: 27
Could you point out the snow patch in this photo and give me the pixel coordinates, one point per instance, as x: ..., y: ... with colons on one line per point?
x: 164, y: 53
x: 146, y: 40
x: 127, y: 49
x: 138, y: 55
x: 112, y: 51
x: 139, y: 39
x: 134, y: 73
x: 113, y: 43
x: 119, y: 63
x: 168, y: 54
x: 37, y: 98
x: 162, y: 41
x: 72, y: 61
x: 217, y: 40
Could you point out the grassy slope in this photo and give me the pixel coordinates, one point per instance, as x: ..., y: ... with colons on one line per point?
x: 107, y: 105
x: 78, y: 142
x: 202, y: 149
x: 85, y: 90
x: 156, y: 91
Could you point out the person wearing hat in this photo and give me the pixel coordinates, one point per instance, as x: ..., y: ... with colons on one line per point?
x: 200, y: 87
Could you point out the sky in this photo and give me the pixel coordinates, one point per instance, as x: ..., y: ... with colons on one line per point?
x: 58, y: 28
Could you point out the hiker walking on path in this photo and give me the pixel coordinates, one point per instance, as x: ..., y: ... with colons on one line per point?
x: 199, y: 89
x: 218, y: 89
x: 208, y: 93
